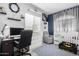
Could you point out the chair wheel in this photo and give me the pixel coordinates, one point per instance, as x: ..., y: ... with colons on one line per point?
x: 28, y: 54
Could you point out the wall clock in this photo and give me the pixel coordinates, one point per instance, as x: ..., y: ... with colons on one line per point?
x: 14, y: 7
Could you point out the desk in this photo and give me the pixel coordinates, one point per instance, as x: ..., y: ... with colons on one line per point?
x: 7, y: 46
x: 15, y: 37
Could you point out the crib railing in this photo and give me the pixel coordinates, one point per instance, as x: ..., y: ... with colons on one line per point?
x: 72, y: 37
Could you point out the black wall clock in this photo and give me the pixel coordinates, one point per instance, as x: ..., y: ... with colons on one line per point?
x: 14, y: 7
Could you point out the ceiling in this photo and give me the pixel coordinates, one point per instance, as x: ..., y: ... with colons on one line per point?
x: 51, y: 8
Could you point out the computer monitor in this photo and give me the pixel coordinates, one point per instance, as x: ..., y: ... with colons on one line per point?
x: 15, y: 31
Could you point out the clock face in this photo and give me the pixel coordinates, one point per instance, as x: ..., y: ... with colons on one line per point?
x: 14, y: 7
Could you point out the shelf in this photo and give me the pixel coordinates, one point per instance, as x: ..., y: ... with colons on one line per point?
x: 14, y: 19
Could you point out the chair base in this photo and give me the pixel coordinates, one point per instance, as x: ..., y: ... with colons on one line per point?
x: 17, y: 53
x: 27, y: 54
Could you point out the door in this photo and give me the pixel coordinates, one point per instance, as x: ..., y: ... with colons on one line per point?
x: 28, y: 22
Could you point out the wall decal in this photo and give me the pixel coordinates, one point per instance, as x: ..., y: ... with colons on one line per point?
x: 22, y: 17
x: 2, y: 11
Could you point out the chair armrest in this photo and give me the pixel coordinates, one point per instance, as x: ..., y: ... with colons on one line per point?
x: 16, y: 42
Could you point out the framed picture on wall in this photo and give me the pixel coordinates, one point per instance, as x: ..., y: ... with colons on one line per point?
x: 44, y: 17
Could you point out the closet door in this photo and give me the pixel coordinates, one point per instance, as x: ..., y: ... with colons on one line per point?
x: 37, y: 24
x: 28, y: 22
x: 37, y: 32
x: 37, y: 27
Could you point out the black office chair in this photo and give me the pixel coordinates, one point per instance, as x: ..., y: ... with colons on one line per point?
x: 24, y: 43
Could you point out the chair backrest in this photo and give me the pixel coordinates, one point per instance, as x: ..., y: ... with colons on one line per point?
x: 25, y: 40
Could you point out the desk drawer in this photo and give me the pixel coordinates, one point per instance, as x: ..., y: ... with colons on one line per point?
x: 7, y: 47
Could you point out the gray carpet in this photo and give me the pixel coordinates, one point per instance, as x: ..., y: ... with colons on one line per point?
x: 51, y: 50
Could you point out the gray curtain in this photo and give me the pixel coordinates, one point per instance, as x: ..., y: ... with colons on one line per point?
x: 66, y: 20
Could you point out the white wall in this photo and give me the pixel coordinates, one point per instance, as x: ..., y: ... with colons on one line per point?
x: 12, y: 23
